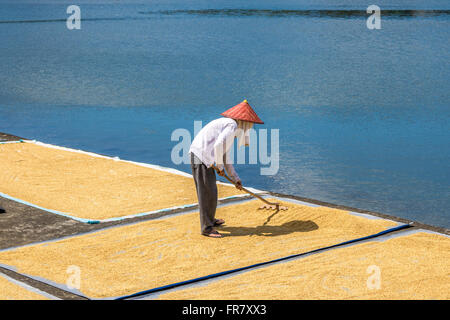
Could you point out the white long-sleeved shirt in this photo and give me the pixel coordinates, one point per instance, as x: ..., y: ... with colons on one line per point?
x: 213, y: 143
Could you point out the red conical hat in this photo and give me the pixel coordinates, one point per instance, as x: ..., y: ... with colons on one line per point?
x: 242, y: 111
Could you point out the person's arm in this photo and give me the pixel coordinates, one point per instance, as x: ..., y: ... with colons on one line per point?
x: 231, y: 172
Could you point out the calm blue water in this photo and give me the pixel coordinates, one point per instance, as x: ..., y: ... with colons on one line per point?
x: 363, y: 114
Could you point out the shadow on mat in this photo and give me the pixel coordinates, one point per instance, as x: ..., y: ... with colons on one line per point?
x: 270, y: 231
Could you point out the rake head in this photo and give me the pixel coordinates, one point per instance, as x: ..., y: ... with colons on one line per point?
x: 273, y: 207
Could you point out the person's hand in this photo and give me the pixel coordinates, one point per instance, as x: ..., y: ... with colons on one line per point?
x: 219, y: 172
x: 238, y: 184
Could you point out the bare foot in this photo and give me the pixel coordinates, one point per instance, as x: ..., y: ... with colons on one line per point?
x: 213, y: 234
x: 218, y: 222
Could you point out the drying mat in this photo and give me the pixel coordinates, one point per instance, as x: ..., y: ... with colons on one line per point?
x: 413, y: 266
x: 11, y: 289
x: 86, y: 186
x: 128, y: 259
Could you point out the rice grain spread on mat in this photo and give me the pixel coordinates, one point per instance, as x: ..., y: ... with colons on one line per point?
x: 91, y: 187
x: 128, y: 259
x: 13, y: 291
x: 406, y: 267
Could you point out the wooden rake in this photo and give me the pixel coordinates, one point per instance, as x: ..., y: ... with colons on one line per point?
x: 268, y: 205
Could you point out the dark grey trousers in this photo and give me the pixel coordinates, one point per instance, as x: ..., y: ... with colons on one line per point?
x: 205, y: 183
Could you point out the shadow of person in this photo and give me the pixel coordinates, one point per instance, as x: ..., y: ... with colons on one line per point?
x: 270, y: 231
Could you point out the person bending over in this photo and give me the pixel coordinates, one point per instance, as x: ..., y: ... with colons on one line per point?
x: 209, y: 153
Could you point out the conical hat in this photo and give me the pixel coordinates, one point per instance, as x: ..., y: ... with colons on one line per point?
x: 242, y: 111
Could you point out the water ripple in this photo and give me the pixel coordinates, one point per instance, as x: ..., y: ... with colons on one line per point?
x: 307, y: 13
x: 258, y: 13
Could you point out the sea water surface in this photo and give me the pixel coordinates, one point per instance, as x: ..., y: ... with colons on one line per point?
x: 363, y: 115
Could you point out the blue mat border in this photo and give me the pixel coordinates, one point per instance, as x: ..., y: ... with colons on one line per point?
x: 214, y: 275
x: 90, y: 221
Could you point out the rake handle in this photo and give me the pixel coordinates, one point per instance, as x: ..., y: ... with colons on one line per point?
x: 248, y: 191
